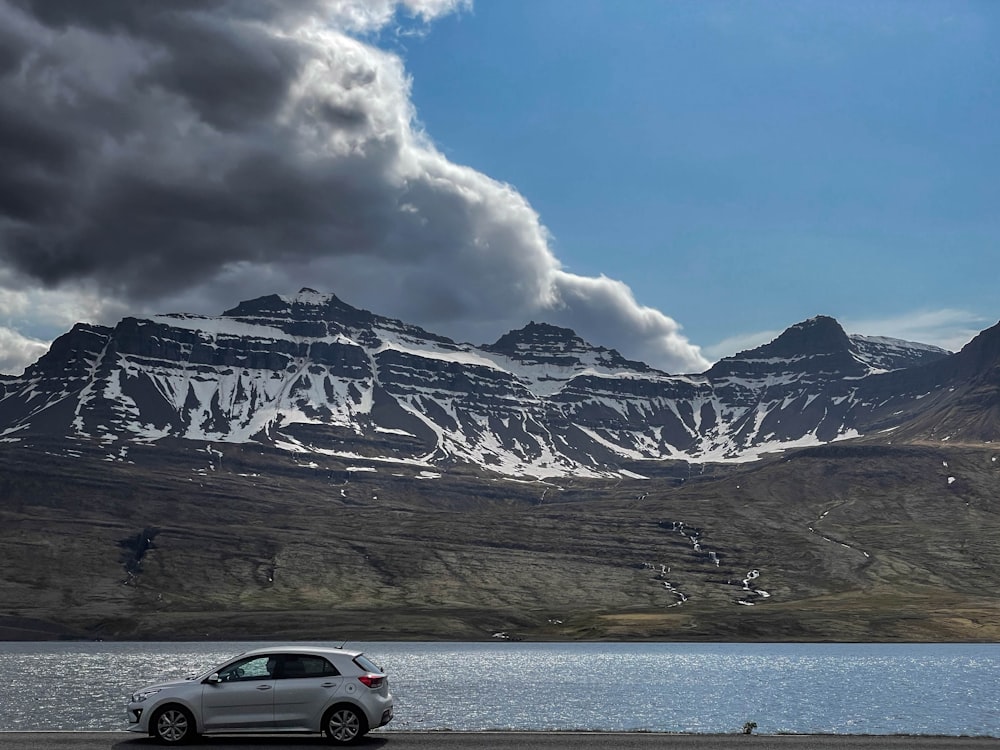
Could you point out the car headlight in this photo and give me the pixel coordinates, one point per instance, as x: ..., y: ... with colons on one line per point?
x: 143, y: 694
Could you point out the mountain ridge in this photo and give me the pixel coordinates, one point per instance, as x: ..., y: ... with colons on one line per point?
x: 311, y: 373
x: 300, y: 469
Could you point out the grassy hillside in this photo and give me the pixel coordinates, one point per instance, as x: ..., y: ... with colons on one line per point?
x: 853, y: 541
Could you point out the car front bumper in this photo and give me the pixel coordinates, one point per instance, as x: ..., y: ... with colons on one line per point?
x: 135, y: 719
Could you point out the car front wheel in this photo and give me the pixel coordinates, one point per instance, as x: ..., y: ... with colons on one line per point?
x: 344, y: 725
x: 173, y: 725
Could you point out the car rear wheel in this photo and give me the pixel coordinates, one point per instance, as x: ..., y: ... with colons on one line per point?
x: 344, y: 725
x: 173, y: 725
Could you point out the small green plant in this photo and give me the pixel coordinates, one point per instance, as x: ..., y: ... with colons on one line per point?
x: 749, y: 727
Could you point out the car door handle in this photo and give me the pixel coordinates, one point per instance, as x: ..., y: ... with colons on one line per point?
x: 329, y: 684
x: 263, y: 687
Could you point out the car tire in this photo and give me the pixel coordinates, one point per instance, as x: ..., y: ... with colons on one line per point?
x: 172, y: 725
x: 343, y: 725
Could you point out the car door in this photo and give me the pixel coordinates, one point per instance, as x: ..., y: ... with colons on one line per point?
x: 303, y: 689
x: 243, y: 698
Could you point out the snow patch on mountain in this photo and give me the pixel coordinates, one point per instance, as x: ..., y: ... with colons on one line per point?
x: 313, y: 376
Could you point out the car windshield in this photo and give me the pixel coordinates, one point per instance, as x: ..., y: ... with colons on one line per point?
x: 211, y: 670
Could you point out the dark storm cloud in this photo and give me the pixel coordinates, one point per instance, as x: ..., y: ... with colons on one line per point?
x: 230, y: 79
x: 176, y: 150
x: 172, y: 165
x: 12, y: 48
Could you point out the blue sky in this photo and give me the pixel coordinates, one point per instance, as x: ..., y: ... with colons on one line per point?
x: 676, y: 179
x: 742, y: 165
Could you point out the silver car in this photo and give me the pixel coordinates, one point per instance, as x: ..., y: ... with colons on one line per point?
x: 338, y: 692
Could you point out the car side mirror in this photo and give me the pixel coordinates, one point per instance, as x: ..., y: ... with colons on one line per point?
x: 213, y: 678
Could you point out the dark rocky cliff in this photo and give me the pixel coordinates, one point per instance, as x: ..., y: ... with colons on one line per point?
x: 311, y: 373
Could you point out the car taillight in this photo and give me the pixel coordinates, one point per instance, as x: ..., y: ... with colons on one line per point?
x: 372, y: 680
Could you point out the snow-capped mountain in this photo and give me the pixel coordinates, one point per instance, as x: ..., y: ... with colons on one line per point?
x: 312, y: 374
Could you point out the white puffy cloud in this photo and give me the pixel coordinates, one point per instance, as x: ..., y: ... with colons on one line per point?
x: 187, y: 155
x: 607, y: 310
x: 18, y: 351
x: 369, y: 15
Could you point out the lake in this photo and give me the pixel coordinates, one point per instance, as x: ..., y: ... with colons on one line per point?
x: 940, y: 689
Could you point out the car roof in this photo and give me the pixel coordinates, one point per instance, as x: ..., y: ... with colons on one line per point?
x: 298, y: 648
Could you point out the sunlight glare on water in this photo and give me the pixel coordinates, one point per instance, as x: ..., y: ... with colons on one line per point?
x: 701, y: 688
x: 850, y: 689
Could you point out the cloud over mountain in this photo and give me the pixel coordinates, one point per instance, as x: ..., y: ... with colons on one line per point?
x: 169, y: 155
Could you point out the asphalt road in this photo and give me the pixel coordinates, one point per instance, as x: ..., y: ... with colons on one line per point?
x: 506, y: 741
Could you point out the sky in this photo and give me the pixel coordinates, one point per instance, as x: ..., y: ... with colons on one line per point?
x: 679, y: 180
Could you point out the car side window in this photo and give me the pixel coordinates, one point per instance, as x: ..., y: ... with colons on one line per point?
x: 306, y: 665
x: 254, y: 668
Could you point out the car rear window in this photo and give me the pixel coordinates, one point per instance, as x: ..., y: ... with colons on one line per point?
x: 302, y: 665
x: 367, y: 664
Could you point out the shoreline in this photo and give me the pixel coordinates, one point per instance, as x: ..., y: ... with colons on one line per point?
x: 383, y: 733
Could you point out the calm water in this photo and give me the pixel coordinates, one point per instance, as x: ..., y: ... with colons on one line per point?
x: 800, y: 688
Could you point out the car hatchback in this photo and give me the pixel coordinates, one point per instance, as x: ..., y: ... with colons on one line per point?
x: 338, y: 692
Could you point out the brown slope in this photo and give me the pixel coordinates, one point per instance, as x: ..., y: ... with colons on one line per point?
x: 852, y: 542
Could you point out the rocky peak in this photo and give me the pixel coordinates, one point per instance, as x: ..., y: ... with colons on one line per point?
x: 315, y: 314
x: 815, y: 345
x: 308, y: 304
x: 546, y: 344
x: 70, y: 355
x: 981, y: 356
x: 821, y: 335
x: 536, y: 337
